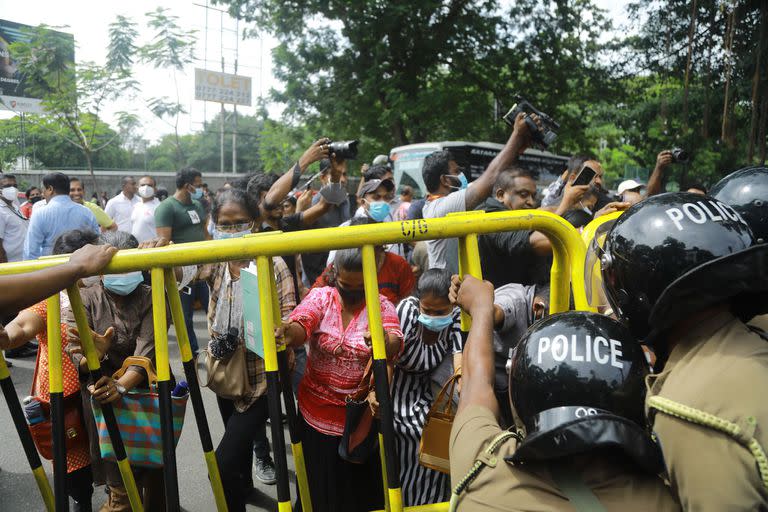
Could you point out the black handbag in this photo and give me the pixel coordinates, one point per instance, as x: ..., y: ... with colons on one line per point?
x: 360, y: 439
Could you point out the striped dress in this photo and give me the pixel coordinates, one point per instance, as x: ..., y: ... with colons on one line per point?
x: 412, y: 397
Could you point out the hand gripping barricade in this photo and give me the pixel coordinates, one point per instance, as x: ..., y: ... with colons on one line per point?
x: 568, y: 265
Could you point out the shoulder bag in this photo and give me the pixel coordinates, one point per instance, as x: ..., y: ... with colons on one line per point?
x: 435, y: 436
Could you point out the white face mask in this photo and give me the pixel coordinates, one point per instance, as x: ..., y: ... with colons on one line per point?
x: 11, y: 193
x: 146, y: 191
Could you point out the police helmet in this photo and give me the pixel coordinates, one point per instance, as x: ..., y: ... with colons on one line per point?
x: 746, y: 190
x: 577, y: 384
x: 675, y: 254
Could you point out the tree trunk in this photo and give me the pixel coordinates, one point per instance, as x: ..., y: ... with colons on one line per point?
x: 89, y: 162
x: 398, y: 133
x: 691, y: 32
x: 756, y: 84
x: 725, y: 126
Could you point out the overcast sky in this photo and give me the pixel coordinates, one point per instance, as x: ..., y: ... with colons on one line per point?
x: 89, y: 21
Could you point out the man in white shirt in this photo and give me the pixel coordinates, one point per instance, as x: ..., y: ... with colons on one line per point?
x: 448, y: 192
x: 120, y: 207
x: 143, y: 215
x: 13, y: 225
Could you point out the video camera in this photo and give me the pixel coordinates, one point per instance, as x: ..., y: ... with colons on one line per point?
x: 543, y: 136
x: 346, y: 150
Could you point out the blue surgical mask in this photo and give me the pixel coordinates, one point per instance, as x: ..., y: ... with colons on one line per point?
x: 463, y: 183
x: 123, y: 284
x: 198, y: 193
x: 378, y: 210
x: 435, y: 323
x: 226, y: 235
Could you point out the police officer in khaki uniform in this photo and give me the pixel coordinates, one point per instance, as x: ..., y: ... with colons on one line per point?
x: 685, y: 273
x: 576, y: 382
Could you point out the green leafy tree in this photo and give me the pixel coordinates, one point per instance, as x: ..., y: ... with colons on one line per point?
x: 74, y: 98
x: 171, y: 48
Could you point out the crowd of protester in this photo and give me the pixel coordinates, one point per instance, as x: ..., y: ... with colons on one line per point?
x: 502, y: 396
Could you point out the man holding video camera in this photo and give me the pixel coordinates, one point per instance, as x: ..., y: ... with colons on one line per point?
x: 448, y: 192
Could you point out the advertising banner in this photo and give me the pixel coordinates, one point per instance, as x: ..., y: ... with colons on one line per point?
x: 13, y: 93
x: 222, y: 87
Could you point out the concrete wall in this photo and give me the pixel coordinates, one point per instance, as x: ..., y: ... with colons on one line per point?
x: 109, y: 181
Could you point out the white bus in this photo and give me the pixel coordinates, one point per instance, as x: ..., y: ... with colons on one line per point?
x: 472, y: 156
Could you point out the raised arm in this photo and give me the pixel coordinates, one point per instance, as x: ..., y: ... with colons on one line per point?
x: 519, y: 140
x: 476, y: 298
x: 654, y: 182
x: 22, y: 290
x: 316, y: 152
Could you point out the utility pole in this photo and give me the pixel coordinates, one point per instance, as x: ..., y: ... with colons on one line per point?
x: 221, y: 141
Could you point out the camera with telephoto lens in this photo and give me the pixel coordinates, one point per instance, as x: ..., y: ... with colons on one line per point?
x: 680, y: 155
x: 543, y: 136
x: 346, y: 150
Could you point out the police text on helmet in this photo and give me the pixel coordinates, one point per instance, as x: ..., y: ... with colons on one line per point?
x: 701, y: 212
x: 599, y: 349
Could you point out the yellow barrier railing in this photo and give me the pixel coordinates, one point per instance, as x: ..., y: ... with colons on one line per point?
x: 568, y: 265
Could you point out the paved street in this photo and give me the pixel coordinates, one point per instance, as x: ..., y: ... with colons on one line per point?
x: 18, y: 491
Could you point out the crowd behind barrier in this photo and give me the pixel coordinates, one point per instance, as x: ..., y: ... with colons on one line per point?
x: 406, y: 381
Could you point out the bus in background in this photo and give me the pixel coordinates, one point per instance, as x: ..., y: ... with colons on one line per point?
x: 474, y: 157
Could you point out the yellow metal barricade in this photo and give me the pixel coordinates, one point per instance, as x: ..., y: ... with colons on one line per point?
x: 567, y: 267
x: 591, y: 279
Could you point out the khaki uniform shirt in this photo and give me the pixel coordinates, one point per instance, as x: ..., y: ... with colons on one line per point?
x: 616, y: 484
x: 760, y: 322
x: 709, y: 410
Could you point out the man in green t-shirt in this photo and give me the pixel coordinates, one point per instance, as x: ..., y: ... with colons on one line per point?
x: 181, y: 218
x: 77, y: 194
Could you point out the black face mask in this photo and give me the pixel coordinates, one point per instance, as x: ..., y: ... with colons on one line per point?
x: 33, y: 200
x: 351, y: 297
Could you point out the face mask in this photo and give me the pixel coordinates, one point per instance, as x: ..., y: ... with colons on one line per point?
x: 198, y: 193
x: 351, y: 297
x: 435, y: 323
x: 378, y: 210
x: 123, y: 284
x: 225, y: 235
x: 11, y: 193
x: 146, y: 191
x: 33, y: 200
x: 463, y: 183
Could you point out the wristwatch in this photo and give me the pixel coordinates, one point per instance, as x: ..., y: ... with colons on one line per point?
x: 120, y: 388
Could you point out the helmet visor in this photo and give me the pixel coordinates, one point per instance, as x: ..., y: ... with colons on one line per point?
x: 593, y: 278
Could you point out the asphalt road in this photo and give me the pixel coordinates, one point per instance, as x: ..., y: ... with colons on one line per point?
x: 18, y: 491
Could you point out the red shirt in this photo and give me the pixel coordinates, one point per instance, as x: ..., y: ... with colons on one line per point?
x: 336, y: 357
x: 395, y: 277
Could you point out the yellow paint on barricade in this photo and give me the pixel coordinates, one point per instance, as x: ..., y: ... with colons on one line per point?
x: 567, y: 267
x: 188, y: 361
x: 53, y: 324
x: 565, y: 241
x: 590, y: 278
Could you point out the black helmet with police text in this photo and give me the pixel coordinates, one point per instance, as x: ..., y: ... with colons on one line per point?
x: 675, y: 254
x: 746, y: 190
x: 576, y: 384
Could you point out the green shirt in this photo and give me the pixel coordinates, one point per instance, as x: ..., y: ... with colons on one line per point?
x: 187, y: 221
x: 102, y: 218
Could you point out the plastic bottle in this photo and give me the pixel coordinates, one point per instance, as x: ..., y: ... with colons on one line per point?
x: 181, y: 389
x: 33, y: 411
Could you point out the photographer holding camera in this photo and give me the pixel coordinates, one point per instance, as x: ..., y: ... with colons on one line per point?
x: 663, y: 160
x: 448, y: 192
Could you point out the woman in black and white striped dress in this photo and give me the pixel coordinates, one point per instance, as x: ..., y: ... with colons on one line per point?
x: 431, y: 332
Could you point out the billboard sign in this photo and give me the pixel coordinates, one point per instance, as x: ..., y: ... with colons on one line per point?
x: 13, y: 93
x: 222, y: 87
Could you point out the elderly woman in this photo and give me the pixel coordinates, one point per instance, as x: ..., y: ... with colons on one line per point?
x: 432, y: 334
x: 120, y: 306
x: 334, y: 321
